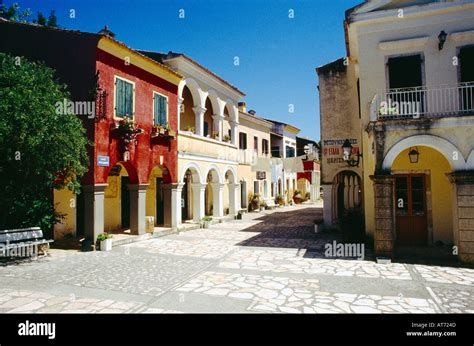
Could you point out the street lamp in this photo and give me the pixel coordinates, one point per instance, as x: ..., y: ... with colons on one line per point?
x: 347, y: 153
x: 442, y: 38
x: 413, y: 154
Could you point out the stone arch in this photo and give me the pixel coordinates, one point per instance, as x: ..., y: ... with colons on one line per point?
x: 196, y: 92
x: 195, y: 171
x: 232, y: 109
x: 438, y: 143
x: 470, y: 161
x: 216, y: 175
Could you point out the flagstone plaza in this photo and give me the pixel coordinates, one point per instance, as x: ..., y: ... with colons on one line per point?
x: 267, y: 262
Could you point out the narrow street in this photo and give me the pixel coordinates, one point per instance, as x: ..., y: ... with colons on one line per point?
x: 263, y: 263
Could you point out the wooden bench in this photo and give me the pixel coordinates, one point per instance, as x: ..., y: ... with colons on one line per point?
x: 23, y: 242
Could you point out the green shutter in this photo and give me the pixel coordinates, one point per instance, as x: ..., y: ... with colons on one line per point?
x: 123, y: 98
x: 160, y: 109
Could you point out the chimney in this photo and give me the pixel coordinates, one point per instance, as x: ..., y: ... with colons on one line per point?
x: 242, y: 107
x: 252, y: 112
x: 105, y: 31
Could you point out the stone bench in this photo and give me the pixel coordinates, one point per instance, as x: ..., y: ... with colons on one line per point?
x: 23, y: 242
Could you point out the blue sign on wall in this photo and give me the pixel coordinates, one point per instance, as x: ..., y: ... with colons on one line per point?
x: 103, y: 161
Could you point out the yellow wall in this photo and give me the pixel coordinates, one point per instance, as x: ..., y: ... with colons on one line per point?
x: 65, y: 203
x: 151, y: 192
x: 112, y: 203
x: 433, y: 161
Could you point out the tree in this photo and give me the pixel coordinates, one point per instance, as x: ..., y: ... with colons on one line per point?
x: 39, y: 148
x: 52, y: 20
x: 41, y: 20
x: 13, y: 13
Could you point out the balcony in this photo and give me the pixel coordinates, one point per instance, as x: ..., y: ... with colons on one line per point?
x: 247, y: 156
x: 424, y: 102
x: 194, y: 145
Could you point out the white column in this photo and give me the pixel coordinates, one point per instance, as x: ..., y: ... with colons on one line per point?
x: 137, y: 208
x: 233, y: 132
x: 180, y: 105
x: 218, y: 120
x: 217, y: 199
x: 198, y: 201
x: 234, y: 193
x: 94, y: 210
x: 172, y: 198
x: 327, y: 204
x: 199, y: 112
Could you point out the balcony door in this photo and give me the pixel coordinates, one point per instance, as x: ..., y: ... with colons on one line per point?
x: 466, y: 57
x: 406, y: 72
x: 411, y: 218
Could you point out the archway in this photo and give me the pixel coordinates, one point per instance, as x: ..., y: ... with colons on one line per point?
x: 187, y: 120
x: 231, y: 193
x: 423, y: 197
x: 346, y: 193
x: 191, y: 195
x: 117, y: 206
x: 209, y: 129
x: 158, y: 202
x: 213, y: 196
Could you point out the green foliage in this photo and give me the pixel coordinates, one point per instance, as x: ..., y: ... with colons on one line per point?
x: 279, y: 200
x: 207, y: 218
x: 14, y: 14
x: 104, y: 236
x: 39, y: 149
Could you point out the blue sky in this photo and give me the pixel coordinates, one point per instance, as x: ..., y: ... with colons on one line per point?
x: 278, y: 55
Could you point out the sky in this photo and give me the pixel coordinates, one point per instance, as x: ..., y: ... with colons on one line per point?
x: 277, y: 55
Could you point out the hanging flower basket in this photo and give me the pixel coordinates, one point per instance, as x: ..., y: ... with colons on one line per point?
x: 128, y: 132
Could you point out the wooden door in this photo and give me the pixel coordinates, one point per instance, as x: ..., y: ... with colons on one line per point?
x: 410, y: 202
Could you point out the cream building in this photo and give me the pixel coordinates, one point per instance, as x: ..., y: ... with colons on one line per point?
x: 413, y: 65
x: 254, y: 157
x: 208, y: 155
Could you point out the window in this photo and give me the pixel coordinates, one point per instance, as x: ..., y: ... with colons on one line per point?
x: 160, y: 109
x: 273, y: 189
x: 256, y: 187
x: 290, y: 151
x: 123, y: 98
x: 276, y: 151
x: 255, y: 143
x: 242, y: 140
x: 265, y: 146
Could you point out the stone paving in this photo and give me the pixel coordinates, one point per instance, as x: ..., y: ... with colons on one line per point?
x: 270, y: 262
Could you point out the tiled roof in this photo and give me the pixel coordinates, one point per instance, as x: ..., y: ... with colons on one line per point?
x: 161, y: 57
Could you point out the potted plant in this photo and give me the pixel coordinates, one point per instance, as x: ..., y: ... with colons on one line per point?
x: 215, y: 135
x: 157, y: 130
x: 297, y: 197
x: 263, y: 205
x: 317, y: 225
x: 206, y: 221
x: 255, y: 202
x: 128, y: 131
x: 169, y: 132
x: 226, y: 138
x: 190, y: 129
x: 279, y: 200
x: 105, y: 241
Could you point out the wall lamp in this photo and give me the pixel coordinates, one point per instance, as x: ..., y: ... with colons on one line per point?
x: 414, y: 155
x: 442, y: 39
x: 347, y: 154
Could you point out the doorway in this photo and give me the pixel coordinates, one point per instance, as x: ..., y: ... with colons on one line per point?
x: 411, y: 216
x: 125, y: 202
x: 466, y: 57
x: 160, y: 203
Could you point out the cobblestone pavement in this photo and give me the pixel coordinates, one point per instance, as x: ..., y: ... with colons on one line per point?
x: 268, y: 262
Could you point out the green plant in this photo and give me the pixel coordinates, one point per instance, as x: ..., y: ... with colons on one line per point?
x: 226, y: 138
x: 297, y: 192
x: 104, y: 236
x: 128, y: 131
x: 279, y: 200
x: 215, y: 134
x: 307, y: 195
x: 207, y: 218
x: 41, y: 148
x: 191, y: 129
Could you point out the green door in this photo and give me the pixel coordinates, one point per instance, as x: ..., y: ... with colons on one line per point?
x: 160, y: 202
x: 125, y: 203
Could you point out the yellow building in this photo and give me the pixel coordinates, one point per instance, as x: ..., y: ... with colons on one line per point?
x: 412, y: 70
x: 254, y: 168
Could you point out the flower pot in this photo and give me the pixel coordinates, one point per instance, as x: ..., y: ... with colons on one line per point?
x: 106, y: 245
x: 171, y: 133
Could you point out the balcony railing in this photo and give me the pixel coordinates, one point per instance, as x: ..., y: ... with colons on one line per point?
x: 424, y: 102
x: 247, y: 156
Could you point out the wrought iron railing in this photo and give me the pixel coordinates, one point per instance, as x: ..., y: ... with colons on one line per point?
x: 424, y: 102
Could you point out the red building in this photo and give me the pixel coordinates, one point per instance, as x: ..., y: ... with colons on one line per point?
x: 128, y: 105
